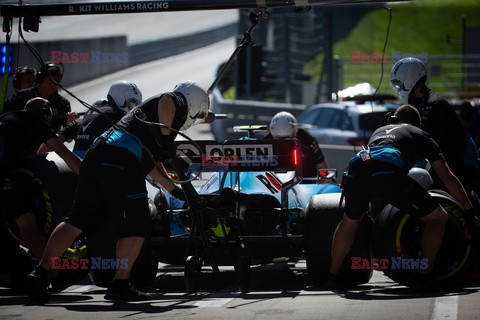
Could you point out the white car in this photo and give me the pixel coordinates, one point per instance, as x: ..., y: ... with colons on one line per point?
x: 345, y: 122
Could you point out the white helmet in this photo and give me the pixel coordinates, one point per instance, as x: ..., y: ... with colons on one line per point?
x: 405, y: 74
x: 197, y: 100
x: 125, y: 95
x: 283, y: 125
x: 99, y: 102
x: 422, y: 177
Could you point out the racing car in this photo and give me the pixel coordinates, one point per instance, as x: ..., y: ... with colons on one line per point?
x: 249, y: 204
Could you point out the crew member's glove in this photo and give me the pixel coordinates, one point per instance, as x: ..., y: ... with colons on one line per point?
x: 469, y: 212
x: 178, y: 193
x: 469, y: 215
x: 168, y: 152
x: 177, y: 201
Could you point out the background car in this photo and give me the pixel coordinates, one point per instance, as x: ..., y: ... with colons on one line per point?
x: 350, y: 122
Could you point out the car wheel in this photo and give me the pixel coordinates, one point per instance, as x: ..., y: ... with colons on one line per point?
x: 322, y: 217
x: 39, y: 179
x: 398, y: 235
x: 193, y: 267
x: 242, y: 273
x: 475, y: 266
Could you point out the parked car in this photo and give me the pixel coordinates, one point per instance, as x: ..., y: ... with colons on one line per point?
x: 345, y: 122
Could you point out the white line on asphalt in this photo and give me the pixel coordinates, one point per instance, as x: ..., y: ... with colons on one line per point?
x: 445, y: 308
x: 83, y: 289
x: 213, y: 302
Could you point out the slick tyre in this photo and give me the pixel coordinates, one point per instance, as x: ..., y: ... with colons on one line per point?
x: 191, y: 273
x: 45, y: 186
x: 322, y: 217
x: 242, y: 273
x: 397, y: 235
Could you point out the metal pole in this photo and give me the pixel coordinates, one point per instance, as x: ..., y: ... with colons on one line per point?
x: 255, y: 19
x: 464, y: 51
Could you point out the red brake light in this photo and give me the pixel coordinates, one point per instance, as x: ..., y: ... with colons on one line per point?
x: 295, y: 156
x: 358, y: 142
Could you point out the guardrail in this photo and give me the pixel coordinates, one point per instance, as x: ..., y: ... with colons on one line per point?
x: 159, y: 49
x: 137, y: 54
x: 453, y: 76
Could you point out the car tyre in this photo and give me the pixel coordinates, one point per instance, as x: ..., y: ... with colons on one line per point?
x: 398, y: 234
x: 193, y: 267
x: 242, y: 273
x: 322, y: 217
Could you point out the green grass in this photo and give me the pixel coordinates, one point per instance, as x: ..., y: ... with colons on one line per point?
x: 416, y: 27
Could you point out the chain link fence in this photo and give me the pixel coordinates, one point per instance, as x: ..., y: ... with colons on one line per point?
x: 452, y: 76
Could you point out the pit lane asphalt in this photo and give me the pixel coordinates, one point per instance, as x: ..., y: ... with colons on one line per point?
x: 279, y: 291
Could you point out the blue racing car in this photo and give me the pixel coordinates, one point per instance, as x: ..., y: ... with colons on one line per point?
x: 247, y: 203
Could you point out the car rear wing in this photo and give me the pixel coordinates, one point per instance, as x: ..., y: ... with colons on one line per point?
x: 242, y: 155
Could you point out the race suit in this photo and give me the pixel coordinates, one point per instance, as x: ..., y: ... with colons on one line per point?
x: 381, y: 171
x: 19, y: 132
x: 92, y: 125
x: 444, y: 126
x: 112, y: 174
x: 312, y: 154
x: 60, y: 106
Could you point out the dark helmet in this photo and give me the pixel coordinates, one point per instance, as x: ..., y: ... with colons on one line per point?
x: 40, y: 107
x: 49, y: 69
x: 20, y: 73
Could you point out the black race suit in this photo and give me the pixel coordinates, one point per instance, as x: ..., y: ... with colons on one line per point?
x: 393, y: 150
x: 60, y: 106
x: 312, y: 154
x: 19, y: 131
x: 112, y: 174
x: 444, y: 126
x: 92, y: 125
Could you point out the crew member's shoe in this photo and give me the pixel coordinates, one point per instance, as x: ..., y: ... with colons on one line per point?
x: 426, y: 282
x: 37, y: 284
x: 122, y: 290
x: 334, y: 282
x: 67, y: 278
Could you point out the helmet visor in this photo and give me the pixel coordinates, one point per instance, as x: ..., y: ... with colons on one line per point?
x: 132, y: 103
x: 398, y: 85
x: 46, y: 113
